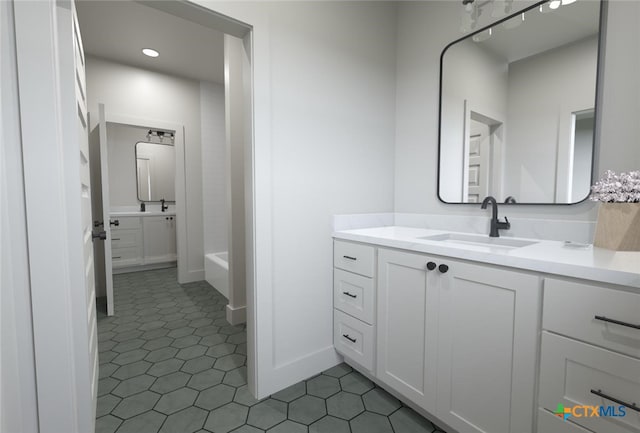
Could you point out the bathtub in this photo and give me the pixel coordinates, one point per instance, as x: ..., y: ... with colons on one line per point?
x: 216, y: 271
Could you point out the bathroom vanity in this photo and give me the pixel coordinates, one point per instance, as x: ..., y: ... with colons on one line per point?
x: 491, y: 335
x: 143, y: 239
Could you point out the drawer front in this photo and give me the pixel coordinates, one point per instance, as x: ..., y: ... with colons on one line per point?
x: 550, y: 423
x: 126, y: 256
x: 353, y: 257
x: 570, y: 373
x: 353, y: 339
x: 354, y: 295
x: 126, y: 223
x: 571, y: 308
x: 123, y: 238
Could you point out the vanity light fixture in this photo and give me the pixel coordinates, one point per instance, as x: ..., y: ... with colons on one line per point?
x: 150, y: 52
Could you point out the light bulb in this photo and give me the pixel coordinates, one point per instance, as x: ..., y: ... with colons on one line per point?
x: 554, y: 4
x: 150, y: 52
x: 567, y: 2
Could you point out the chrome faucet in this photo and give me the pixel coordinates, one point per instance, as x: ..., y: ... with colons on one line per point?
x: 163, y: 207
x: 495, y: 223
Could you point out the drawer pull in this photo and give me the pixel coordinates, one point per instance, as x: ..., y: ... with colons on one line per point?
x: 617, y: 322
x: 353, y: 340
x: 350, y: 258
x: 350, y: 295
x: 115, y: 239
x: 117, y: 257
x: 631, y: 406
x: 431, y: 266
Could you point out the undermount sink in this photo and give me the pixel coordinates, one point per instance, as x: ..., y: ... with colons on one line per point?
x: 479, y: 240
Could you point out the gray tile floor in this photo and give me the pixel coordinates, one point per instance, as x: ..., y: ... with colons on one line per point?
x: 171, y: 363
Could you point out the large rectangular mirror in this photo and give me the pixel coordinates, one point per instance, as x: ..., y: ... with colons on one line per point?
x: 155, y: 171
x: 518, y: 106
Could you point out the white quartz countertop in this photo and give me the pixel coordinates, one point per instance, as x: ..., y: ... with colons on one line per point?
x: 551, y: 257
x: 141, y: 214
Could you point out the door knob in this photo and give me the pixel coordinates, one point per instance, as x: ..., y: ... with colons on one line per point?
x: 443, y: 269
x: 431, y: 266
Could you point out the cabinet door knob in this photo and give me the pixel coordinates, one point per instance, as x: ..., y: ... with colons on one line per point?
x: 443, y: 269
x: 431, y: 266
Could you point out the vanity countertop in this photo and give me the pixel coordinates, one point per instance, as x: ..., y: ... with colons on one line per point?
x: 550, y: 257
x: 141, y: 214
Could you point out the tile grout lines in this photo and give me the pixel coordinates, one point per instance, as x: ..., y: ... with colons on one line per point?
x: 170, y: 363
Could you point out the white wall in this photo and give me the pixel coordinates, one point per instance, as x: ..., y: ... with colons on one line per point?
x: 18, y: 406
x: 424, y: 29
x: 214, y: 168
x: 564, y: 79
x: 324, y: 131
x: 143, y: 94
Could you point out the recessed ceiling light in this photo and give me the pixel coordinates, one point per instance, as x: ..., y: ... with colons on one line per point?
x: 149, y: 52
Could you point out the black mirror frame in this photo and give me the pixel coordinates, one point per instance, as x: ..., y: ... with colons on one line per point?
x: 598, y: 99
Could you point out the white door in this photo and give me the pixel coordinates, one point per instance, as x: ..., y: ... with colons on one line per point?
x: 108, y: 221
x: 407, y: 325
x: 479, y: 149
x: 487, y: 345
x: 53, y: 112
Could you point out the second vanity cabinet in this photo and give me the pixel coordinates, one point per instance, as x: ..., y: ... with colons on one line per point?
x: 143, y: 240
x: 456, y: 338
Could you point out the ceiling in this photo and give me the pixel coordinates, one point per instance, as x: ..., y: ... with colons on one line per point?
x: 119, y: 30
x: 541, y: 32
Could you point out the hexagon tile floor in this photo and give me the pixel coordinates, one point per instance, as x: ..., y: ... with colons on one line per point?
x: 171, y: 363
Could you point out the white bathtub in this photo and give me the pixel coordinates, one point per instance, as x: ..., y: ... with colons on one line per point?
x: 216, y: 271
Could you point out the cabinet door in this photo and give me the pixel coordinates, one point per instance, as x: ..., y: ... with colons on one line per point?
x: 487, y: 348
x: 159, y: 239
x: 407, y: 326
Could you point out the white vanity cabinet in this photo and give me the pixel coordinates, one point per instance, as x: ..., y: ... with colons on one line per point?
x: 142, y: 240
x: 487, y: 347
x: 159, y: 239
x: 457, y: 339
x: 407, y: 319
x: 590, y: 355
x: 126, y: 242
x: 353, y: 301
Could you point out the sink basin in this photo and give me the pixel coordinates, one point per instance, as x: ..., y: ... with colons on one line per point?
x: 479, y: 240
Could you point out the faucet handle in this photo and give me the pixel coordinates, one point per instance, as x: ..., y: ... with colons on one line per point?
x: 506, y: 225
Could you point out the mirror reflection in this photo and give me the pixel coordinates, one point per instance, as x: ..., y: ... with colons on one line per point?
x: 155, y: 171
x: 517, y: 110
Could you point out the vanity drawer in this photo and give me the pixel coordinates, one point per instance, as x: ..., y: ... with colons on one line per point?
x: 126, y: 222
x: 126, y: 256
x: 570, y: 370
x: 550, y: 423
x: 353, y: 294
x: 353, y: 257
x: 353, y: 338
x: 122, y: 238
x: 570, y: 308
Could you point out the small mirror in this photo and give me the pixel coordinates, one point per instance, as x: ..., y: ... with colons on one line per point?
x: 155, y: 171
x: 518, y: 105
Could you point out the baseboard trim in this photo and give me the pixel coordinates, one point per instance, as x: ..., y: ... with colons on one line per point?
x: 237, y: 315
x: 138, y: 268
x: 281, y: 376
x: 193, y: 276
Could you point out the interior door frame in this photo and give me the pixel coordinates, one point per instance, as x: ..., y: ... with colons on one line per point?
x: 180, y: 179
